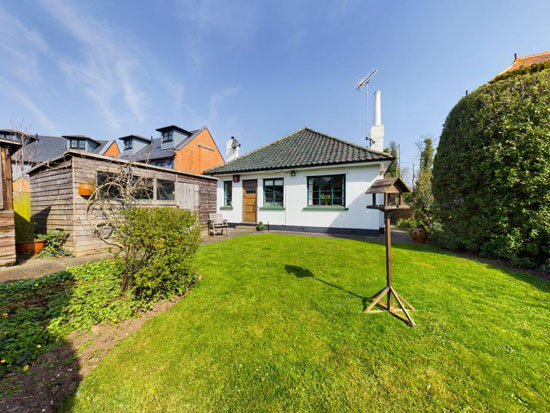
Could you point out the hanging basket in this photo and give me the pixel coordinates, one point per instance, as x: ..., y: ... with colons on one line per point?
x: 85, y: 189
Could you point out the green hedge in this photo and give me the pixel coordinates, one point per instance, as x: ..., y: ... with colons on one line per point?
x: 491, y: 176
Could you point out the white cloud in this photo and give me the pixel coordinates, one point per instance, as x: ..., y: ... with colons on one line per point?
x: 33, y: 110
x: 107, y: 73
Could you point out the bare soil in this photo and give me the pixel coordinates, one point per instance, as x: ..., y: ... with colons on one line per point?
x: 56, y: 374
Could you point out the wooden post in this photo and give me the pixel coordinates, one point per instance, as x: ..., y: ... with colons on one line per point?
x: 402, y: 304
x: 388, y: 255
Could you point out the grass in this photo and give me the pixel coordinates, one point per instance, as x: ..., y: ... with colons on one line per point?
x: 276, y: 324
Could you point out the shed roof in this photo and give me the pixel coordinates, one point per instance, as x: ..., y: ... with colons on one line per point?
x: 303, y: 148
x: 110, y: 159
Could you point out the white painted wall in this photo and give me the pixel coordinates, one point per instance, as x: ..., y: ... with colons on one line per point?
x: 358, y: 180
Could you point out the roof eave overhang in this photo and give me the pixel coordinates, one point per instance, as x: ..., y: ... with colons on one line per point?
x: 310, y: 166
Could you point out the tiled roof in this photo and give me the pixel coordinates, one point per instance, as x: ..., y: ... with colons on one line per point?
x: 154, y: 151
x: 300, y: 149
x: 43, y: 148
x: 526, y: 61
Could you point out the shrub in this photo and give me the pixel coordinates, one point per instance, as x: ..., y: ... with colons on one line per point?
x: 35, y: 315
x: 491, y: 174
x: 158, y: 250
x: 53, y: 246
x: 407, y: 223
x: 260, y: 226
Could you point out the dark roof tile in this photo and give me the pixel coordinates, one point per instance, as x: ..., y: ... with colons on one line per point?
x: 300, y: 149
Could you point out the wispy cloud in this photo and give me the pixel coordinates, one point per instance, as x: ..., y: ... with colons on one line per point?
x: 208, y: 22
x: 107, y: 71
x: 216, y: 101
x: 20, y: 48
x: 24, y: 101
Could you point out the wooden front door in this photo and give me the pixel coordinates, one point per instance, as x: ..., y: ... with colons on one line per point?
x: 249, y: 200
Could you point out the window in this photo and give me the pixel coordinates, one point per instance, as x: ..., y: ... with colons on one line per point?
x: 166, y: 190
x: 78, y: 144
x: 142, y: 188
x: 227, y: 193
x: 167, y: 136
x: 273, y: 192
x: 326, y: 190
x: 108, y: 181
x: 127, y: 144
x: 111, y: 183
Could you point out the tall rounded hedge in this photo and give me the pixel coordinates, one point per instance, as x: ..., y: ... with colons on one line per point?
x: 491, y: 175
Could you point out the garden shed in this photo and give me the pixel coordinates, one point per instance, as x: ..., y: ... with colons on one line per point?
x: 7, y: 225
x: 57, y: 204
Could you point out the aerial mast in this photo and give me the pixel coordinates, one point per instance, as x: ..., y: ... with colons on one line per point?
x: 365, y: 82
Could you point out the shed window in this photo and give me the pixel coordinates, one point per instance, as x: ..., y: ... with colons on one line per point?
x: 166, y: 190
x: 326, y: 190
x: 142, y: 187
x: 167, y: 136
x: 128, y: 144
x: 78, y: 144
x: 227, y: 193
x: 273, y: 192
x: 107, y: 182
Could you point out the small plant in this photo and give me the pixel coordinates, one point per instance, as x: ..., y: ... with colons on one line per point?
x: 407, y: 223
x: 36, y: 315
x: 260, y: 226
x: 53, y: 246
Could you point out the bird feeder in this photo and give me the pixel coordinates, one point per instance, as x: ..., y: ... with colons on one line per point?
x: 392, y: 189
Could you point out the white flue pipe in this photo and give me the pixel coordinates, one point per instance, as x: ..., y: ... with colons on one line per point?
x: 377, y: 108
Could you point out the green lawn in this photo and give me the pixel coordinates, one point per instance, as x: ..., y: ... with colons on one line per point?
x: 277, y: 324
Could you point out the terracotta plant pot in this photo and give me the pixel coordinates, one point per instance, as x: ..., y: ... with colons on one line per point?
x: 33, y: 247
x: 419, y: 234
x: 85, y: 189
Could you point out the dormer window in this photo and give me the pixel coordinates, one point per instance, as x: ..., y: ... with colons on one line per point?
x: 77, y: 144
x: 128, y: 144
x: 167, y: 136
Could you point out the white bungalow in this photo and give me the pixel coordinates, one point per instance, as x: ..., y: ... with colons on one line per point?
x: 306, y: 181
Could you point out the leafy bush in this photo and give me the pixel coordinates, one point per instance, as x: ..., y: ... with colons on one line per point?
x: 491, y: 174
x: 407, y: 223
x: 159, y: 247
x: 53, y: 246
x: 35, y: 315
x: 260, y: 226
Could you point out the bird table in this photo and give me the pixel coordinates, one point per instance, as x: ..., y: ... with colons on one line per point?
x: 392, y: 189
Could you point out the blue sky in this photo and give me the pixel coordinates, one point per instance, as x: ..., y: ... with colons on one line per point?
x: 256, y: 70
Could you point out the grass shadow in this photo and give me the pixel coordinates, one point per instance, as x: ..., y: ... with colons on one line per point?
x: 300, y: 272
